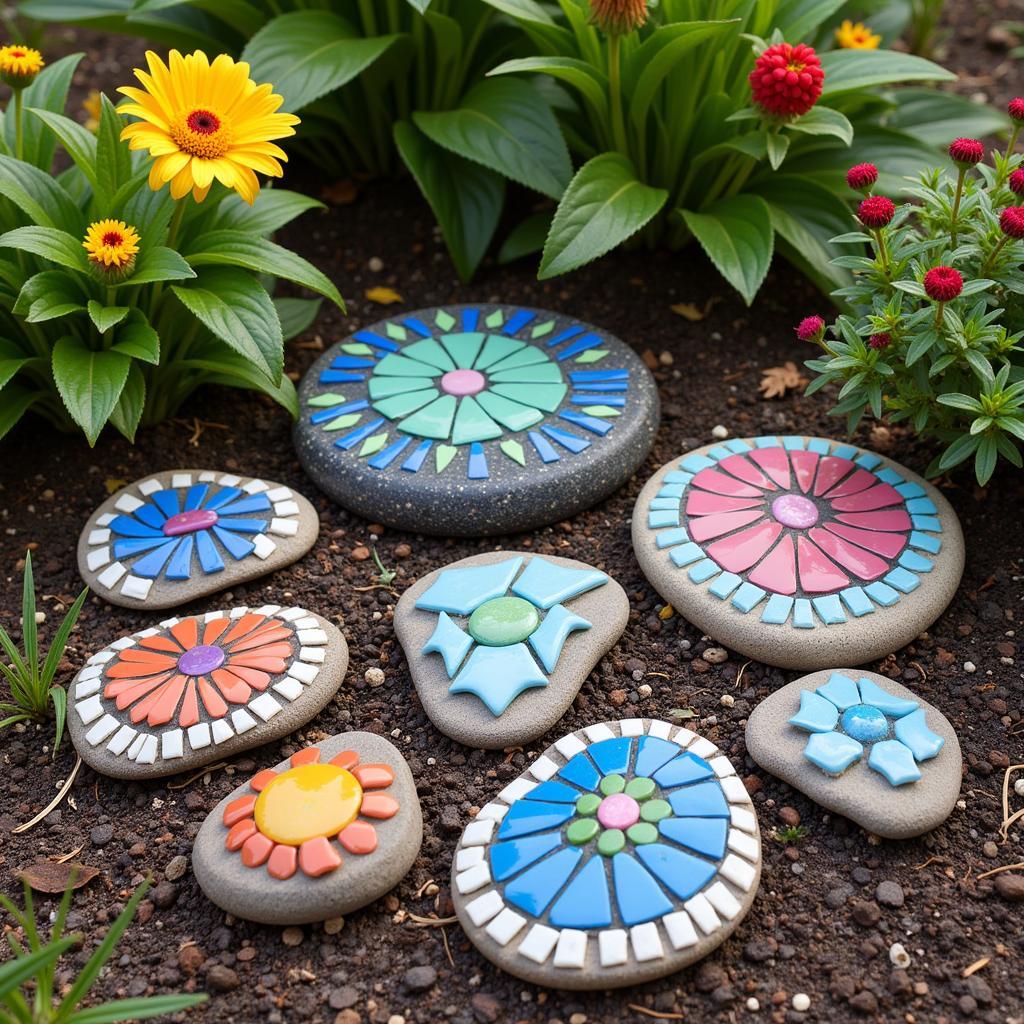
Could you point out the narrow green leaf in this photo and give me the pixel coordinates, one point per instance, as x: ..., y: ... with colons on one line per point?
x: 137, y: 1009
x: 113, y: 158
x: 127, y: 414
x: 273, y: 208
x: 527, y: 237
x: 850, y: 70
x: 49, y: 243
x: 16, y: 972
x: 89, y: 382
x: 49, y: 92
x: 78, y: 142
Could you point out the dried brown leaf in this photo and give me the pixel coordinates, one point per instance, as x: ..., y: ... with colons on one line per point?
x: 692, y: 312
x: 341, y: 193
x: 383, y: 296
x: 777, y: 380
x: 52, y: 877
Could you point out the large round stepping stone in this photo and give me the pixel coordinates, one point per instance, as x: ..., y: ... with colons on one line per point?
x: 174, y: 536
x: 801, y: 552
x: 863, y: 746
x: 471, y: 420
x: 626, y: 851
x: 199, y: 689
x: 321, y: 834
x: 499, y: 644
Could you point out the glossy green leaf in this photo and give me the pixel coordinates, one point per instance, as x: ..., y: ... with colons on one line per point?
x: 937, y: 118
x: 157, y: 264
x: 105, y: 317
x: 799, y: 18
x: 848, y: 70
x: 225, y: 367
x: 138, y: 339
x: 591, y: 82
x: 48, y: 92
x: 273, y: 208
x: 296, y: 315
x: 127, y: 414
x: 527, y: 10
x: 78, y: 142
x: 527, y: 237
x: 603, y: 206
x: 49, y: 294
x: 49, y: 244
x: 36, y: 194
x: 89, y: 382
x: 113, y: 158
x: 823, y: 121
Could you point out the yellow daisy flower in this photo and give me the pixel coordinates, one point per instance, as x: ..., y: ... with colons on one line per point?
x: 202, y: 121
x: 19, y: 65
x: 857, y: 37
x: 111, y: 244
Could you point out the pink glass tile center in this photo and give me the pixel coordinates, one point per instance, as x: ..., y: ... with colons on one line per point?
x: 200, y: 660
x: 795, y: 511
x: 463, y: 382
x: 189, y: 522
x: 618, y: 811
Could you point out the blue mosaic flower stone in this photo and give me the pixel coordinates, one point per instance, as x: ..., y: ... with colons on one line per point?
x: 624, y: 852
x: 475, y: 419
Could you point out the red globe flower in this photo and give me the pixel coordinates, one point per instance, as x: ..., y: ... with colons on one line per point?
x: 967, y: 152
x: 810, y: 328
x: 1017, y: 181
x: 1011, y: 220
x: 943, y: 284
x: 787, y: 80
x: 881, y: 340
x: 1015, y: 108
x: 876, y: 211
x: 861, y: 177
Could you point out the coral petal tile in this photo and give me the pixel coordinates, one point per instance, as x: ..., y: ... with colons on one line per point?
x: 166, y: 703
x: 378, y: 805
x: 251, y: 676
x: 741, y: 467
x: 374, y: 776
x: 238, y: 809
x: 818, y: 575
x: 142, y: 708
x: 777, y: 572
x: 876, y: 497
x: 774, y: 462
x: 743, y: 549
x: 271, y: 665
x: 189, y: 714
x: 148, y: 658
x: 212, y: 700
x: 262, y: 779
x: 127, y: 690
x: 262, y: 637
x: 701, y: 503
x: 231, y: 686
x: 831, y: 470
x: 311, y: 755
x: 266, y: 650
x: 360, y: 837
x: 317, y: 857
x: 246, y: 624
x: 860, y: 481
x: 719, y: 483
x: 283, y: 862
x: 805, y: 464
x: 724, y: 522
x: 888, y: 544
x: 852, y: 558
x: 122, y: 671
x: 892, y: 521
x: 161, y: 643
x: 186, y: 632
x: 347, y: 759
x: 256, y: 849
x: 239, y: 833
x: 214, y: 629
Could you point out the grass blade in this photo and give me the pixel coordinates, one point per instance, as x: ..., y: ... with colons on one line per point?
x: 60, y: 639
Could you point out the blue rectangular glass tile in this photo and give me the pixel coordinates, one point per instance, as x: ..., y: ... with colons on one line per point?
x: 890, y: 476
x: 237, y: 547
x: 543, y: 446
x: 357, y: 435
x: 221, y: 498
x: 668, y: 538
x: 671, y: 491
x: 470, y: 318
x: 579, y: 345
x: 519, y: 319
x: 703, y: 571
x: 662, y: 517
x: 929, y: 523
x: 603, y: 386
x: 615, y: 401
x: 194, y: 496
x: 718, y: 453
x: 167, y: 501
x: 209, y: 558
x: 902, y: 580
x: 686, y: 554
x: 845, y: 451
x: 857, y: 601
x: 830, y: 609
x: 914, y: 562
x: 340, y: 377
x: 675, y: 477
x: 793, y: 443
x: 149, y: 566
x: 418, y: 326
x: 565, y: 439
x: 477, y: 462
x: 921, y: 507
x: 415, y: 460
x: 910, y: 490
x: 246, y: 505
x: 351, y: 362
x: 777, y: 610
x: 767, y: 442
x: 125, y: 548
x: 323, y: 415
x: 569, y: 332
x: 803, y: 615
x: 591, y: 423
x: 724, y: 585
x: 925, y: 542
x: 180, y: 566
x: 591, y: 376
x: 868, y: 460
x: 695, y: 463
x: 384, y: 458
x: 376, y: 340
x: 243, y: 525
x: 881, y: 594
x: 747, y: 597
x: 819, y: 445
x: 737, y: 446
x: 154, y: 517
x: 662, y: 503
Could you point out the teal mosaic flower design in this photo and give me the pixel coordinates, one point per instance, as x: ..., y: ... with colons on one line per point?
x: 842, y: 716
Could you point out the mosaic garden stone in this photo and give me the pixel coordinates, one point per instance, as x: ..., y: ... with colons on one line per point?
x: 626, y: 851
x: 499, y: 644
x: 863, y: 746
x: 470, y: 420
x: 202, y: 688
x: 801, y: 552
x: 175, y: 536
x: 319, y: 835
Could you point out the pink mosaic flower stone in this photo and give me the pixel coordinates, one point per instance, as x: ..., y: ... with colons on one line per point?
x: 189, y: 522
x: 618, y: 811
x: 462, y: 383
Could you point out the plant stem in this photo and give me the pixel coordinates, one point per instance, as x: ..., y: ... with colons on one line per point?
x: 19, y: 141
x: 175, y: 225
x: 956, y: 206
x: 615, y: 93
x: 939, y: 311
x: 990, y: 259
x: 883, y: 252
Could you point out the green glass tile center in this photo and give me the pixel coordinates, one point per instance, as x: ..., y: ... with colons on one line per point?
x: 582, y: 830
x: 503, y: 621
x: 611, y: 842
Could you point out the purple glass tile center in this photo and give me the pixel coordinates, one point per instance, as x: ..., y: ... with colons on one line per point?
x: 794, y: 510
x: 463, y: 382
x: 189, y: 522
x: 618, y: 811
x: 200, y: 660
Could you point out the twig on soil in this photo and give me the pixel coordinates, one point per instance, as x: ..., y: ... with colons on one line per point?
x: 197, y: 426
x: 1009, y: 819
x: 660, y: 675
x: 447, y: 950
x: 930, y: 860
x: 53, y: 803
x: 376, y: 586
x: 976, y: 966
x: 1001, y: 869
x: 510, y: 752
x: 423, y: 888
x: 919, y: 667
x: 198, y: 775
x: 739, y: 675
x: 658, y: 1014
x: 69, y: 856
x: 430, y: 922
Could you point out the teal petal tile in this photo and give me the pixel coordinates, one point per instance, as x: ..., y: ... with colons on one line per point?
x: 840, y: 690
x: 450, y: 641
x: 895, y: 762
x: 545, y: 584
x: 462, y: 591
x: 816, y: 714
x: 912, y: 731
x: 895, y: 707
x: 832, y: 752
x: 497, y: 675
x: 549, y: 637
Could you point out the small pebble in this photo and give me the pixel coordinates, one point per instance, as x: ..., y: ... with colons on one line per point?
x: 1018, y: 787
x: 176, y: 867
x: 969, y: 666
x: 753, y: 1005
x: 719, y: 432
x: 898, y: 956
x: 801, y: 1002
x: 292, y: 936
x: 374, y: 676
x: 715, y: 655
x: 375, y: 264
x: 727, y: 700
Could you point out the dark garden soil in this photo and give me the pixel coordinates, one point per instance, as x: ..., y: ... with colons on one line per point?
x: 830, y: 905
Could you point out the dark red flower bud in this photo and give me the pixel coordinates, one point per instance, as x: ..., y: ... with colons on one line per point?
x: 943, y: 283
x: 810, y: 328
x: 1011, y: 220
x: 876, y: 211
x: 881, y: 340
x: 861, y: 177
x: 1017, y: 181
x: 1015, y: 108
x: 786, y: 80
x: 967, y: 152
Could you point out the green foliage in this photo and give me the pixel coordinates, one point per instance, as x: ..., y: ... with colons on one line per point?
x: 953, y: 371
x: 30, y: 679
x: 84, y: 348
x: 28, y: 985
x: 791, y: 834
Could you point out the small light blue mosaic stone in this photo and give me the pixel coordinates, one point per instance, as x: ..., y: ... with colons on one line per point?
x: 585, y: 902
x: 793, y: 444
x: 902, y: 580
x: 545, y: 584
x: 724, y: 585
x: 509, y: 857
x: 706, y: 836
x: 695, y: 463
x: 718, y: 453
x: 497, y: 675
x: 462, y: 591
x: 925, y: 542
x: 803, y: 616
x: 776, y: 611
x: 683, y: 770
x: 895, y: 762
x: 703, y: 571
x: 548, y: 639
x: 842, y: 691
x: 832, y: 752
x: 868, y: 460
x: 680, y: 872
x: 671, y: 491
x: 816, y: 714
x: 675, y: 477
x: 737, y: 446
x: 857, y: 601
x: 829, y: 608
x: 638, y: 895
x: 686, y: 554
x: 449, y: 640
x: 929, y: 523
x: 767, y: 442
x: 526, y: 817
x: 536, y: 887
x: 819, y: 445
x: 667, y: 538
x: 651, y: 754
x: 865, y: 723
x: 912, y: 731
x: 914, y: 562
x: 881, y: 594
x: 922, y: 507
x: 705, y: 800
x: 889, y: 704
x: 663, y: 517
x: 748, y: 597
x: 660, y: 504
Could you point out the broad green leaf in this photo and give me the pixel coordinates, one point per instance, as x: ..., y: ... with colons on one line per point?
x: 225, y: 367
x: 37, y: 195
x: 527, y: 237
x: 527, y: 10
x: 232, y: 304
x: 603, y: 206
x: 821, y: 120
x: 937, y: 118
x: 465, y: 197
x: 105, y: 317
x: 113, y: 158
x: 591, y: 82
x: 849, y: 70
x: 138, y: 339
x: 296, y: 315
x: 89, y: 382
x: 506, y: 125
x: 307, y: 54
x: 48, y: 92
x: 241, y: 249
x: 776, y: 146
x: 799, y: 18
x: 157, y: 264
x: 148, y: 212
x: 9, y: 366
x: 126, y: 415
x: 737, y: 235
x: 49, y: 294
x: 48, y: 243
x: 273, y: 208
x: 78, y: 142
